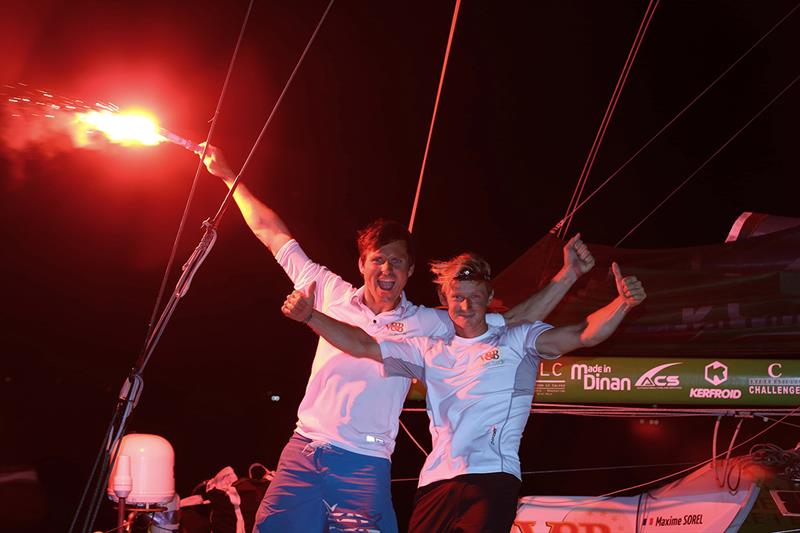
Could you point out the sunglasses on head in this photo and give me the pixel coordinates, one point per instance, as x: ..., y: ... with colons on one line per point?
x: 469, y: 274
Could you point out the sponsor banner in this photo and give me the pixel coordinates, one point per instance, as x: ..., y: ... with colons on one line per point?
x: 570, y: 514
x: 566, y: 514
x: 638, y: 380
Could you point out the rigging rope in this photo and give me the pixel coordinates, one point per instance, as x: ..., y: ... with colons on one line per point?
x: 196, y: 179
x: 226, y: 202
x: 601, y: 132
x: 574, y: 470
x: 411, y: 436
x: 119, y: 418
x: 673, y: 119
x: 784, y: 423
x: 726, y: 465
x: 433, y: 118
x: 707, y: 161
x: 204, y: 248
x: 768, y: 428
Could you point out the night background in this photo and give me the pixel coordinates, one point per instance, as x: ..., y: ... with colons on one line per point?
x: 87, y: 232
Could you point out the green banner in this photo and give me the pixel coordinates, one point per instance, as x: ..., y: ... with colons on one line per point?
x: 642, y: 380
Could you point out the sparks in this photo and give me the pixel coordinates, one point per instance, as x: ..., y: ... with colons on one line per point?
x: 84, y: 123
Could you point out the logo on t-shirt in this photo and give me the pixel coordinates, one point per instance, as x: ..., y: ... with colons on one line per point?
x: 491, y: 356
x: 397, y: 327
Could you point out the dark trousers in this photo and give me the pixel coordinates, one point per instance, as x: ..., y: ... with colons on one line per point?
x: 469, y: 503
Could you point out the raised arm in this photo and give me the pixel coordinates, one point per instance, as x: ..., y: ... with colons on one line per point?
x: 263, y: 221
x: 351, y: 340
x: 578, y: 260
x: 599, y: 325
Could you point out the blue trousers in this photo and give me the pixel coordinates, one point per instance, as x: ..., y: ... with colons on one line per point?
x: 321, y: 488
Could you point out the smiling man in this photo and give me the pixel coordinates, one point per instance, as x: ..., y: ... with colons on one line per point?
x: 480, y: 384
x: 385, y: 269
x: 335, y: 469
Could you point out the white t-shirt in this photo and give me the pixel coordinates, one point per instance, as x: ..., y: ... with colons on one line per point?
x: 479, y: 396
x: 350, y: 402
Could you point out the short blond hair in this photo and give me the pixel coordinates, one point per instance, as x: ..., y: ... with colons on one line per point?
x: 468, y: 265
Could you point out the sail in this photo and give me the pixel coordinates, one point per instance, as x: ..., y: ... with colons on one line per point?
x: 733, y: 299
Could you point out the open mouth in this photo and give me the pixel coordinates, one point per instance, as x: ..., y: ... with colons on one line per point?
x: 386, y: 285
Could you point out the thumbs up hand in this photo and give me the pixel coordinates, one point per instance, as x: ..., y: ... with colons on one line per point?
x: 577, y: 256
x: 299, y: 305
x: 629, y: 287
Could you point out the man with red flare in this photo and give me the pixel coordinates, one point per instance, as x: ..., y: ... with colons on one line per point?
x: 336, y: 467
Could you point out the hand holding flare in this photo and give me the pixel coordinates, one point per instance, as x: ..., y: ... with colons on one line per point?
x: 216, y: 163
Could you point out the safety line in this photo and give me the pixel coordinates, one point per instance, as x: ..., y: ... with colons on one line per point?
x: 712, y: 156
x: 612, y: 104
x: 673, y: 119
x: 604, y: 468
x: 573, y: 470
x: 433, y: 118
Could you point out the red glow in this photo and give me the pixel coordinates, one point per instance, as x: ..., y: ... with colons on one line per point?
x: 647, y: 428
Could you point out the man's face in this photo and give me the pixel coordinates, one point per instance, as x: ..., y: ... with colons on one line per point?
x: 466, y: 303
x: 386, y: 271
